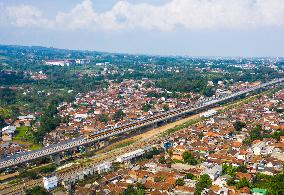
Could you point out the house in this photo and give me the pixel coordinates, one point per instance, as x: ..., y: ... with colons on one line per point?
x: 209, y: 113
x: 247, y: 176
x: 184, y: 190
x: 152, y: 167
x: 130, y: 180
x: 282, y: 139
x: 57, y: 62
x: 213, y: 172
x: 81, y: 115
x: 258, y: 147
x: 104, y: 167
x: 130, y: 155
x: 50, y: 183
x: 215, y: 189
x: 24, y: 120
x: 222, y: 180
x: 9, y: 129
x: 27, y: 117
x: 8, y: 133
x: 178, y: 151
x: 242, y: 155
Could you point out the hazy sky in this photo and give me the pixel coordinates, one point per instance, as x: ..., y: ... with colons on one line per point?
x: 167, y: 27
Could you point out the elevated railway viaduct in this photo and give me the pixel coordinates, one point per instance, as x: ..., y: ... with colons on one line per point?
x: 129, y: 127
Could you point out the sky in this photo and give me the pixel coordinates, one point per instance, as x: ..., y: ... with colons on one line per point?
x: 159, y: 27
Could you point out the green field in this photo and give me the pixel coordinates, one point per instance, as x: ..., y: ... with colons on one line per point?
x: 22, y: 137
x: 124, y: 144
x: 21, y: 133
x: 35, y: 147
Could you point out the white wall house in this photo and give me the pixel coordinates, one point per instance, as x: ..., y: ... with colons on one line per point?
x: 258, y: 147
x: 214, y: 172
x: 57, y: 62
x: 104, y: 167
x: 152, y: 167
x: 130, y: 155
x: 82, y: 61
x: 50, y: 182
x: 9, y: 129
x: 209, y: 113
x: 8, y: 133
x: 81, y: 115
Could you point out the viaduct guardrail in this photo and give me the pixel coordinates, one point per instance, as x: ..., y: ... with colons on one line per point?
x: 109, y: 132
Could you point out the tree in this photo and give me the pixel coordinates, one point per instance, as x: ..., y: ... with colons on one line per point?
x: 277, y: 134
x: 238, y: 125
x: 208, y: 91
x: 103, y: 118
x: 247, y: 141
x: 189, y: 158
x: 274, y: 184
x: 200, y: 135
x: 2, y: 122
x: 229, y: 169
x: 180, y: 182
x: 7, y: 96
x: 204, y: 182
x: 131, y: 190
x: 48, y: 122
x: 189, y: 176
x: 162, y: 160
x: 28, y: 174
x: 166, y: 107
x: 37, y: 190
x: 242, y: 168
x: 256, y: 133
x: 48, y: 169
x: 146, y: 107
x: 118, y: 115
x: 140, y: 186
x: 231, y: 181
x: 243, y: 183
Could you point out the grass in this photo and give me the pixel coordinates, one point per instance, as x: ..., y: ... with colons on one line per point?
x: 5, y: 112
x: 22, y: 137
x: 15, y: 181
x: 182, y: 126
x: 21, y: 133
x: 35, y: 147
x: 89, y: 153
x: 89, y: 180
x: 124, y: 144
x: 177, y: 161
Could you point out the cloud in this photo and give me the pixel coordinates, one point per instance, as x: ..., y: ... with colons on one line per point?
x: 83, y: 16
x: 26, y: 15
x: 189, y: 14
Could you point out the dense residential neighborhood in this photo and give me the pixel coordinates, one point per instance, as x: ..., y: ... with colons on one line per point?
x: 119, y: 103
x: 142, y: 97
x: 83, y: 122
x: 237, y: 148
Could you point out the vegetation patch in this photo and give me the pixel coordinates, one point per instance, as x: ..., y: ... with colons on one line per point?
x: 124, y: 144
x: 21, y: 133
x: 35, y: 147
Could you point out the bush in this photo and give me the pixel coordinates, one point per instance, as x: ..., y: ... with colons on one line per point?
x: 180, y: 182
x: 189, y: 158
x: 29, y: 174
x: 37, y: 190
x: 189, y: 176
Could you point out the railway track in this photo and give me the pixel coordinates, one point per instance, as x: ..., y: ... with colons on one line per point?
x: 109, y: 132
x: 98, y: 159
